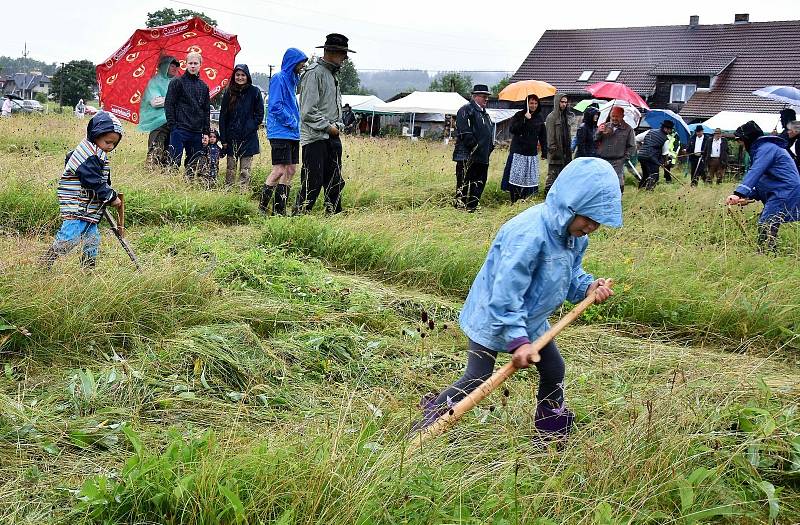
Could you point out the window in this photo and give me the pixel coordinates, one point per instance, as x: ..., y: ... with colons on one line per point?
x: 681, y: 92
x: 585, y: 75
x: 613, y: 75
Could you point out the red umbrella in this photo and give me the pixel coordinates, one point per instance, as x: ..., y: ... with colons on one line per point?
x: 616, y: 90
x: 123, y: 78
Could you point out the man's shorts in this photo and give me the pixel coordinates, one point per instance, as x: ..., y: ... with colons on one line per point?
x: 285, y: 151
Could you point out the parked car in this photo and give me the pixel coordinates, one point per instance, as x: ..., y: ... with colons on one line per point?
x: 32, y: 105
x: 24, y: 106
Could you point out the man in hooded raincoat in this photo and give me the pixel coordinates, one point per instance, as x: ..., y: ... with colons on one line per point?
x: 283, y: 130
x: 772, y: 179
x: 533, y: 265
x: 152, y: 118
x: 559, y: 139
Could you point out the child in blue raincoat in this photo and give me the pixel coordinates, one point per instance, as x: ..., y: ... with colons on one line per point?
x: 772, y: 179
x: 533, y: 265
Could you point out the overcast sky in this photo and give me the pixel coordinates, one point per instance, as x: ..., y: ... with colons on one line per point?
x: 411, y: 34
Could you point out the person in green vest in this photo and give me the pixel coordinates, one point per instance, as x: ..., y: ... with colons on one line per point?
x: 152, y: 118
x: 671, y: 148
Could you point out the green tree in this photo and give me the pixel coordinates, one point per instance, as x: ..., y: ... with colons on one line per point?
x: 75, y: 81
x: 349, y: 82
x: 497, y: 88
x: 452, y: 81
x: 168, y: 15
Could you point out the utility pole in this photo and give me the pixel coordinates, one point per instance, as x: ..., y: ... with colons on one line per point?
x: 61, y: 88
x: 271, y: 67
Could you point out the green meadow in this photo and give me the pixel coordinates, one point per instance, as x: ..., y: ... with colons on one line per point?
x: 266, y: 370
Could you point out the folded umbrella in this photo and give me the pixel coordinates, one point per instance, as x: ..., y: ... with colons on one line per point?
x: 616, y: 90
x: 122, y: 78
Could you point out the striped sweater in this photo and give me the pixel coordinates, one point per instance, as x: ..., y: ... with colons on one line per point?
x: 85, y: 185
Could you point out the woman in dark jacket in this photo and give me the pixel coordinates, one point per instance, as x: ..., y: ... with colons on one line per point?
x: 586, y: 145
x: 521, y: 176
x: 241, y: 113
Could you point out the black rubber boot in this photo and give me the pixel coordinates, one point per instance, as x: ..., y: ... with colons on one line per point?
x: 266, y: 196
x: 48, y: 258
x: 281, y: 198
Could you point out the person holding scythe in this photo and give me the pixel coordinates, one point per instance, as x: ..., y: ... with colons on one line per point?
x: 533, y: 265
x: 772, y: 179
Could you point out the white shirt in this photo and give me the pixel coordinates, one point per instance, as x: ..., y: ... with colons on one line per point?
x: 716, y: 145
x: 698, y: 145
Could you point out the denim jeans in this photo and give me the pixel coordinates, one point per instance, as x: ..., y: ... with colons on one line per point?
x: 74, y: 232
x: 192, y: 142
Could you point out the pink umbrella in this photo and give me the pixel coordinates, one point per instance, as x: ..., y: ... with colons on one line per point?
x: 616, y: 90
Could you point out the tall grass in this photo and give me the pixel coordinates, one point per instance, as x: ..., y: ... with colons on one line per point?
x: 267, y: 371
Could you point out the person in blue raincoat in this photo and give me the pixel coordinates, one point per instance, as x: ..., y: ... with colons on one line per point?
x: 283, y: 130
x: 533, y: 265
x: 772, y: 179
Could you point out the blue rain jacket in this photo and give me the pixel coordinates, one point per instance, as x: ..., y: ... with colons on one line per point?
x: 534, y: 264
x: 772, y: 179
x: 283, y: 114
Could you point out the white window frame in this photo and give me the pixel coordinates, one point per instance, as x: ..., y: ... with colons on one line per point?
x: 613, y: 75
x: 684, y: 88
x: 586, y: 75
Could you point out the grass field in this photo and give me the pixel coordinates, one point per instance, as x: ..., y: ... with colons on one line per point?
x: 266, y: 370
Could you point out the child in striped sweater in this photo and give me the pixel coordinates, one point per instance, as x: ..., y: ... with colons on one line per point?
x: 85, y: 189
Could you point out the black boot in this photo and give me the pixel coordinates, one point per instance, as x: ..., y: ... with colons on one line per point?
x: 281, y: 198
x: 266, y: 196
x: 48, y: 258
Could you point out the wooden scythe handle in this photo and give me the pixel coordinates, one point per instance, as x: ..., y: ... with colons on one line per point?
x: 121, y: 215
x: 506, y: 371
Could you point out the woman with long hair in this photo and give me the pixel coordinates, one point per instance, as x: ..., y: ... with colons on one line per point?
x: 241, y: 113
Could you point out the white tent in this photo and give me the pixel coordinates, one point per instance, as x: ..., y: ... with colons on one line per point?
x: 361, y: 103
x: 730, y: 120
x: 424, y: 102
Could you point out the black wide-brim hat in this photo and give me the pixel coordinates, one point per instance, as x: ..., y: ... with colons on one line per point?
x: 481, y: 89
x: 336, y: 42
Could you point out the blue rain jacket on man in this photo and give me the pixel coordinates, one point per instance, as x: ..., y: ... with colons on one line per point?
x: 772, y: 179
x: 534, y: 264
x: 283, y: 114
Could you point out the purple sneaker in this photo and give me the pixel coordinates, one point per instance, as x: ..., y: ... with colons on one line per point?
x: 430, y: 412
x: 553, y: 423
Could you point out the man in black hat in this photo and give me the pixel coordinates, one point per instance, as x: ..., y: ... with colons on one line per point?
x: 320, y: 124
x: 698, y: 149
x: 474, y: 144
x: 650, y: 154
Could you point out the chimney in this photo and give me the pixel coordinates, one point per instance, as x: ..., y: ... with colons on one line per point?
x: 741, y: 18
x: 694, y: 20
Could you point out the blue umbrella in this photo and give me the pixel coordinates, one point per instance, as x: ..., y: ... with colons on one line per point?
x: 706, y: 129
x: 655, y: 117
x: 785, y: 94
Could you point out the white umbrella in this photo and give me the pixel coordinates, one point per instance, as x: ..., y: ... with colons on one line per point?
x: 632, y: 114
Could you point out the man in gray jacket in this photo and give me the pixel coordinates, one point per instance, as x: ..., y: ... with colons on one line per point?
x: 320, y: 124
x: 616, y: 143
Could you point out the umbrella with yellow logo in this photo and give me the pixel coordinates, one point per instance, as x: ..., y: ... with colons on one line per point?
x: 122, y: 78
